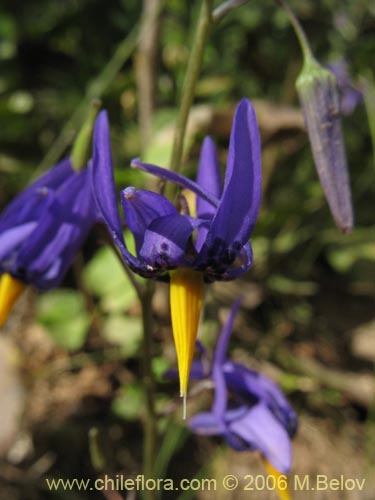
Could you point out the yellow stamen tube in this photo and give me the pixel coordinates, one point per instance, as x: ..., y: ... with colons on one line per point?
x: 281, y: 484
x: 186, y: 295
x: 10, y: 290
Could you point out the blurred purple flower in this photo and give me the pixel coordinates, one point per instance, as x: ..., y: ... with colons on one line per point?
x: 225, y: 215
x: 44, y: 226
x: 249, y: 410
x: 351, y: 96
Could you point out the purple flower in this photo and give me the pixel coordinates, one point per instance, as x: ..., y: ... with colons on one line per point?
x: 351, y: 96
x: 41, y: 231
x: 188, y: 248
x: 225, y: 215
x: 249, y: 410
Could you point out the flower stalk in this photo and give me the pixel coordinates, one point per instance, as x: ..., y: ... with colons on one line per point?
x: 149, y: 439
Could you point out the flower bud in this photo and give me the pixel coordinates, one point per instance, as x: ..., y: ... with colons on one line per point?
x: 320, y: 100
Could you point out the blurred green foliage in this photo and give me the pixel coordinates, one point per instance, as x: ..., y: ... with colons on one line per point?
x: 316, y: 284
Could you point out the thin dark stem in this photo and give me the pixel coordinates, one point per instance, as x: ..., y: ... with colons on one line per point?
x: 302, y: 38
x: 226, y: 7
x: 188, y: 91
x: 149, y: 439
x: 145, y: 66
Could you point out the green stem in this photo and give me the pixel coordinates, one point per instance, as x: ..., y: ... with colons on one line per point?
x: 188, y: 90
x: 303, y: 41
x: 149, y: 438
x: 81, y: 150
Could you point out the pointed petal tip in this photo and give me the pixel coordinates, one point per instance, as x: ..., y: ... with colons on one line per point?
x: 136, y: 163
x: 129, y: 192
x: 348, y: 229
x: 345, y: 224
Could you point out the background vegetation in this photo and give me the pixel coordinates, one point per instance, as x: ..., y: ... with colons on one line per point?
x: 307, y: 317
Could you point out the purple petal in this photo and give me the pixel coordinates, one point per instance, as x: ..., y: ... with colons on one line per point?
x: 221, y: 395
x: 178, y: 179
x: 223, y: 341
x: 104, y: 188
x: 12, y: 238
x: 29, y: 204
x: 261, y: 430
x: 141, y: 208
x: 208, y: 177
x: 166, y: 240
x: 239, y: 205
x: 206, y: 423
x: 59, y: 233
x: 245, y: 258
x: 271, y: 394
x: 102, y: 175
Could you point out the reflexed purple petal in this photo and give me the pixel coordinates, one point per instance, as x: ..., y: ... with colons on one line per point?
x: 59, y: 233
x: 254, y: 386
x: 141, y: 208
x: 30, y: 204
x: 11, y: 238
x: 245, y: 258
x: 232, y: 439
x: 55, y: 176
x: 104, y: 188
x: 223, y: 341
x: 177, y: 179
x: 102, y: 176
x: 47, y: 269
x: 221, y: 394
x: 208, y: 177
x: 239, y: 205
x: 166, y: 239
x: 206, y: 423
x: 261, y: 430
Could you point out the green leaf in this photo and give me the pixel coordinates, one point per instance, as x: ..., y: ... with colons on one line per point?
x: 63, y: 314
x: 125, y: 332
x: 105, y: 277
x: 130, y: 402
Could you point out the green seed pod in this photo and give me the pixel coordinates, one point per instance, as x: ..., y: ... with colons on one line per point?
x: 319, y: 97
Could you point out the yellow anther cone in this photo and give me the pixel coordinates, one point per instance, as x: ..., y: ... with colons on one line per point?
x: 186, y: 295
x: 10, y: 290
x: 282, y: 489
